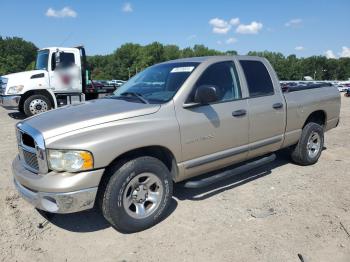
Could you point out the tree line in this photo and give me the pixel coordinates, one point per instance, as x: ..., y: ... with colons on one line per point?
x: 18, y: 55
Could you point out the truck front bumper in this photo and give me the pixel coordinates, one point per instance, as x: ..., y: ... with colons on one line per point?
x: 57, y: 202
x: 10, y: 102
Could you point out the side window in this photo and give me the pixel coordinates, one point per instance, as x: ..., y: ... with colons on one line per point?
x: 224, y: 76
x: 258, y: 78
x: 66, y: 60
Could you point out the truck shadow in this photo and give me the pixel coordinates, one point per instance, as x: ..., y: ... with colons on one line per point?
x: 92, y: 220
x: 89, y: 220
x: 17, y: 115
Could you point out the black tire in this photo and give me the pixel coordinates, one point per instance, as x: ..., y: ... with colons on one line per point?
x: 300, y: 153
x: 122, y: 175
x: 21, y: 109
x: 27, y: 104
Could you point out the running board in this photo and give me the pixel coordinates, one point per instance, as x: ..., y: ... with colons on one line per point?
x: 230, y: 173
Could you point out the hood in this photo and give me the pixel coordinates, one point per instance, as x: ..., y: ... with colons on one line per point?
x: 24, y: 74
x: 20, y: 77
x: 91, y: 113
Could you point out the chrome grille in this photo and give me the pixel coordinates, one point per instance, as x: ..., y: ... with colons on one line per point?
x: 27, y: 151
x: 31, y: 147
x: 30, y: 159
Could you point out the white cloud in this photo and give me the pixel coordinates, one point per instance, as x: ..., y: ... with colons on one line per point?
x: 220, y: 26
x: 330, y: 54
x: 296, y: 22
x: 127, y: 8
x: 253, y: 28
x: 299, y: 48
x: 219, y: 42
x: 345, y: 52
x: 231, y: 40
x: 64, y: 12
x: 217, y: 22
x: 234, y: 21
x: 224, y: 30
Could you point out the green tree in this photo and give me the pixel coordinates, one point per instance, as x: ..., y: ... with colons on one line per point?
x: 15, y: 54
x: 171, y: 52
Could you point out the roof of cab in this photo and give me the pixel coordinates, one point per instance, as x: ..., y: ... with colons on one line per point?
x: 202, y: 59
x: 56, y: 47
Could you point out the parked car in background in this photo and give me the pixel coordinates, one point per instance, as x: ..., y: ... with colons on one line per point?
x: 117, y: 82
x: 342, y: 87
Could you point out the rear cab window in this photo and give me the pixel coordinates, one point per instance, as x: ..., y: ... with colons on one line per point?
x: 258, y: 78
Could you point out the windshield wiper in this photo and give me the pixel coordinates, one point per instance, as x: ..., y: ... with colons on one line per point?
x: 133, y: 94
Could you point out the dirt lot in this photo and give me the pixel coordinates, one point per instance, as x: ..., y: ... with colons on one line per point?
x: 270, y: 214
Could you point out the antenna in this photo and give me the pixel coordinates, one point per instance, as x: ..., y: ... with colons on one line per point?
x: 64, y: 40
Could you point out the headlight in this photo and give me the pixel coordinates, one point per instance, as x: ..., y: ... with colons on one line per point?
x: 15, y: 89
x: 71, y: 161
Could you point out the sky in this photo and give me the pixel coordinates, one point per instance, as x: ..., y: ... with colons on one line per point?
x: 301, y: 27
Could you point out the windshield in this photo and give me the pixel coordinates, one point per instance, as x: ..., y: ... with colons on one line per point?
x: 42, y: 60
x: 157, y: 84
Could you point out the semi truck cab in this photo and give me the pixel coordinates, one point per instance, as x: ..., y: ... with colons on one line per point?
x: 60, y: 78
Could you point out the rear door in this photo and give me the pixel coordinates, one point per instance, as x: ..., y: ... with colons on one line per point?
x: 211, y: 136
x: 267, y: 110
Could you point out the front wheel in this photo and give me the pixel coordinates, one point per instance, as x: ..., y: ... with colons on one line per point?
x: 36, y: 104
x: 137, y: 195
x: 310, y: 145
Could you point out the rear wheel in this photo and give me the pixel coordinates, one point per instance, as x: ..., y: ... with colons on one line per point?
x: 310, y: 145
x: 36, y: 104
x: 137, y: 195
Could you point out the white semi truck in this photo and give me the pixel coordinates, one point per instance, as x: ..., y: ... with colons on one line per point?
x: 60, y: 78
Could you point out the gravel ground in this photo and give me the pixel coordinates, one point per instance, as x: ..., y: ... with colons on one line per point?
x: 273, y: 213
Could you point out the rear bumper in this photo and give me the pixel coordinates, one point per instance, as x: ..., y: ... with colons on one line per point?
x: 57, y: 192
x: 10, y: 102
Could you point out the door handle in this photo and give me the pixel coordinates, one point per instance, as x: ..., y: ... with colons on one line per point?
x: 277, y: 105
x: 239, y: 113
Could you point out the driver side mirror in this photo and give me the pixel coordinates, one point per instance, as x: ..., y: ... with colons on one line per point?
x: 206, y: 94
x: 56, y: 60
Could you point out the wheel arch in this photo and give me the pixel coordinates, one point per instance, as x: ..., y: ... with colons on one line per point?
x: 48, y: 93
x: 318, y: 116
x: 160, y: 152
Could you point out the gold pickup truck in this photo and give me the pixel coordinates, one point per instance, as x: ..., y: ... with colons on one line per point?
x: 172, y: 122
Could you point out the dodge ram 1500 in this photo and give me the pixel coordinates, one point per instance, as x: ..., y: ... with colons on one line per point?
x: 171, y: 122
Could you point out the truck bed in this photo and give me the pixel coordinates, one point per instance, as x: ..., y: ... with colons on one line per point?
x: 301, y: 102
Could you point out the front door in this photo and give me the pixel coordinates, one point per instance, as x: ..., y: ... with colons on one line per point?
x: 215, y: 135
x: 65, y: 77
